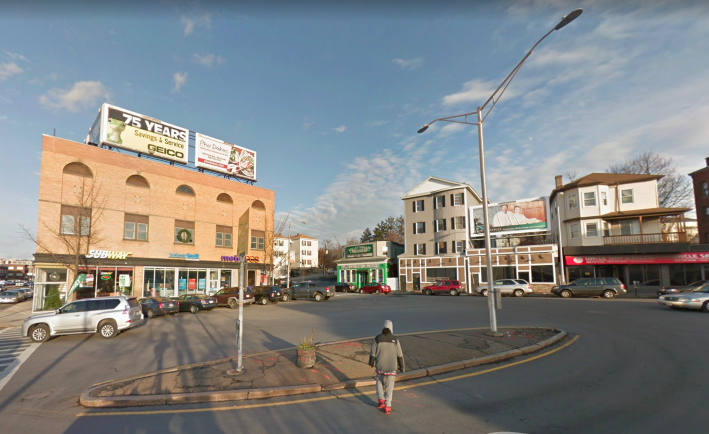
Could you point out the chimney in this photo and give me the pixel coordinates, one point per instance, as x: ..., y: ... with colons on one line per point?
x: 559, y: 182
x: 707, y: 160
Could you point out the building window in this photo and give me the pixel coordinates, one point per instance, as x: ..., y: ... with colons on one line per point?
x: 589, y: 198
x: 78, y: 169
x: 224, y: 236
x: 137, y: 181
x: 439, y: 202
x: 604, y: 198
x: 705, y: 188
x: 626, y: 196
x: 419, y: 249
x: 457, y: 199
x: 185, y: 189
x: 574, y: 229
x: 184, y: 232
x: 573, y: 201
x: 629, y: 227
x: 457, y: 223
x: 606, y: 229
x: 257, y: 240
x: 75, y: 221
x: 439, y: 225
x: 441, y: 273
x: 542, y: 274
x: 135, y: 227
x: 441, y: 248
x: 418, y: 205
x: 458, y: 246
x: 420, y: 228
x: 591, y: 230
x: 223, y: 197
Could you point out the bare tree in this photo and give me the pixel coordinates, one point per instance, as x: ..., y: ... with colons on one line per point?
x: 274, y: 258
x: 571, y: 175
x: 674, y: 189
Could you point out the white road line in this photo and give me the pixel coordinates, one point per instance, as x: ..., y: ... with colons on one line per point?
x: 12, y: 359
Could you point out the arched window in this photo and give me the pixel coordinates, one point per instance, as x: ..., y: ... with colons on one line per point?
x: 185, y: 189
x: 78, y: 169
x: 137, y: 181
x: 258, y: 204
x: 223, y: 197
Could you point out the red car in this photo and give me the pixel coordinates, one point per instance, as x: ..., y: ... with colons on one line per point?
x: 375, y: 288
x: 452, y: 287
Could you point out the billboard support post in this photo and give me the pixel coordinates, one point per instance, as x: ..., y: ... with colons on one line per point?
x: 561, y: 249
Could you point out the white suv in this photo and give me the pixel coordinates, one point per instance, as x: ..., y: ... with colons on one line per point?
x: 106, y: 315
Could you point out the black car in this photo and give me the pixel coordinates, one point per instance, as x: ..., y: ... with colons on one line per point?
x: 345, y: 287
x: 264, y: 294
x: 155, y: 306
x: 195, y: 302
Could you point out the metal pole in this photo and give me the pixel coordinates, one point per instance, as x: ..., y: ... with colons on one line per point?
x: 288, y: 259
x: 486, y: 220
x: 561, y: 248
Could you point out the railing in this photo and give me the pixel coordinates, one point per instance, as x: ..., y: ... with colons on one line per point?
x: 663, y: 238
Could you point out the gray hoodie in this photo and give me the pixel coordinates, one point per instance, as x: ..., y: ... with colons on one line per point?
x: 386, y: 352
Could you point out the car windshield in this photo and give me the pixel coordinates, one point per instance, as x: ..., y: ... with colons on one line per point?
x: 8, y: 293
x: 697, y: 283
x: 703, y: 288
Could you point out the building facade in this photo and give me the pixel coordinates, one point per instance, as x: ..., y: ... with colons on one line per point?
x: 700, y: 180
x: 306, y: 252
x: 140, y: 227
x: 374, y: 261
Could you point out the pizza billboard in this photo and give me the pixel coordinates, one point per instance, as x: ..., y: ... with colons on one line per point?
x: 220, y: 156
x: 514, y: 217
x: 121, y: 128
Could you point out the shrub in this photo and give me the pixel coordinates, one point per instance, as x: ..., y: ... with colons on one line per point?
x: 53, y: 300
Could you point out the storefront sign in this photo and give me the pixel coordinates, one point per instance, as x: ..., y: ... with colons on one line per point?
x: 107, y: 254
x: 182, y: 284
x: 353, y: 266
x: 192, y: 284
x: 230, y: 259
x: 251, y: 259
x: 220, y: 156
x: 679, y: 258
x: 124, y: 280
x: 524, y: 215
x: 106, y: 275
x: 360, y: 251
x: 202, y: 284
x: 185, y: 256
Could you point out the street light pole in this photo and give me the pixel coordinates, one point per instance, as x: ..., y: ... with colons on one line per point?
x: 288, y: 254
x: 463, y: 119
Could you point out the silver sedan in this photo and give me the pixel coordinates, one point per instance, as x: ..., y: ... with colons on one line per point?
x: 9, y: 297
x: 697, y: 299
x: 516, y: 287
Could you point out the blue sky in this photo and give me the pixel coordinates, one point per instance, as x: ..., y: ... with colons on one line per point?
x: 331, y: 96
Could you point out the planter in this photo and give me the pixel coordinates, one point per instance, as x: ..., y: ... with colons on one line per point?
x: 306, y: 358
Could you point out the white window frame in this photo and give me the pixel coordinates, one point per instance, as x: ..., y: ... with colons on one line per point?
x: 455, y: 225
x: 416, y: 249
x: 604, y: 198
x: 418, y: 208
x: 421, y: 229
x: 571, y: 231
x: 437, y: 226
x: 588, y: 234
x: 436, y: 204
x: 575, y: 200
x: 458, y: 246
x: 437, y: 247
x: 457, y: 202
x: 632, y: 196
x: 586, y: 199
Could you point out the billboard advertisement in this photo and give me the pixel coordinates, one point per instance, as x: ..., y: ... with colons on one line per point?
x: 219, y: 156
x: 517, y: 216
x: 125, y: 129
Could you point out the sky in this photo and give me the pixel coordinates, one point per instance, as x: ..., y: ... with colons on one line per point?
x: 331, y: 96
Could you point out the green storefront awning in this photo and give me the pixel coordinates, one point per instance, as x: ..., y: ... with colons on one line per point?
x: 355, y: 263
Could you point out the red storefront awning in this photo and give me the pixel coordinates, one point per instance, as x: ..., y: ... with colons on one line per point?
x: 678, y: 258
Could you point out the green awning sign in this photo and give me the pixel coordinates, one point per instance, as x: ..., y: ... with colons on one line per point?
x: 360, y: 251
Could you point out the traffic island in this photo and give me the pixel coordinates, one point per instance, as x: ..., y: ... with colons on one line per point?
x: 340, y: 365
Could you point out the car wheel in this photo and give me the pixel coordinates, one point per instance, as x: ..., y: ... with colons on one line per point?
x: 484, y: 293
x: 565, y: 293
x: 376, y: 292
x: 150, y: 313
x: 427, y: 292
x: 39, y: 333
x: 454, y: 292
x: 194, y: 309
x: 233, y: 304
x: 705, y: 306
x: 318, y: 296
x: 518, y: 293
x: 263, y: 301
x: 608, y: 294
x: 361, y: 291
x: 285, y: 298
x: 107, y: 329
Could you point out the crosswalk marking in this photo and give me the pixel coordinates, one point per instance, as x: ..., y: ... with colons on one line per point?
x: 14, y: 350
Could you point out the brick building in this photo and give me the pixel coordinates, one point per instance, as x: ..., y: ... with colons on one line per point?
x: 700, y: 179
x: 152, y: 228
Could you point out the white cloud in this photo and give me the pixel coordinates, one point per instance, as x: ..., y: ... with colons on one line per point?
x: 8, y: 69
x: 180, y: 79
x: 84, y: 94
x: 340, y: 129
x: 189, y: 22
x: 450, y: 129
x: 476, y: 91
x: 208, y: 59
x: 307, y: 123
x: 409, y: 64
x: 378, y: 123
x: 17, y: 56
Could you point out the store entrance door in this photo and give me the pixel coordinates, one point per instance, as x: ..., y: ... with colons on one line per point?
x: 362, y: 278
x: 417, y: 282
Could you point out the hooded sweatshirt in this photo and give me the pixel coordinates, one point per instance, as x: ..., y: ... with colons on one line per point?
x: 386, y: 352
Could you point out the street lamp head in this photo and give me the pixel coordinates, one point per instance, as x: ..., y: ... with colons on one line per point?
x: 568, y: 18
x: 423, y: 128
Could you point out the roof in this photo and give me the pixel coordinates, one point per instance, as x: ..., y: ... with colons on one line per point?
x: 296, y: 236
x: 604, y: 179
x: 367, y: 260
x: 648, y: 212
x: 433, y: 185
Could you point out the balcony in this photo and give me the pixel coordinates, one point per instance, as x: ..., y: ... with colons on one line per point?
x: 661, y: 238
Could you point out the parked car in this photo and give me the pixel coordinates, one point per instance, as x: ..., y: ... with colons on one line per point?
x: 375, y: 288
x: 345, y: 287
x: 606, y: 287
x: 21, y: 295
x: 697, y: 298
x: 230, y: 297
x: 26, y: 291
x: 294, y: 273
x: 516, y: 287
x: 452, y: 287
x: 310, y: 290
x: 676, y: 289
x: 106, y: 316
x: 9, y: 297
x: 195, y: 302
x: 264, y: 294
x: 155, y: 306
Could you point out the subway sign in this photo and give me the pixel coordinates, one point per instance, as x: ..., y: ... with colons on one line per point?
x: 107, y: 254
x: 360, y: 251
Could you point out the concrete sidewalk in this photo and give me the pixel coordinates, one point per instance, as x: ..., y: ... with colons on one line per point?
x: 339, y: 365
x: 15, y: 314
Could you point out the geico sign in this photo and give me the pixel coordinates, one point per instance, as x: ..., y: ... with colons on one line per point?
x: 107, y: 254
x: 161, y: 150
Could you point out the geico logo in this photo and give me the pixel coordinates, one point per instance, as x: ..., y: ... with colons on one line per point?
x: 251, y: 258
x: 170, y: 152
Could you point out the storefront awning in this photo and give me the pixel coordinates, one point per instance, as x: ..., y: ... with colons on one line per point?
x: 373, y: 262
x: 679, y: 258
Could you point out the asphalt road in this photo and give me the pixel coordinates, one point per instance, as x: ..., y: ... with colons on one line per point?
x: 636, y: 368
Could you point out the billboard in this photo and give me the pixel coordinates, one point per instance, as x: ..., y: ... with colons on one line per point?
x: 125, y: 129
x: 360, y: 251
x: 517, y: 216
x: 219, y: 156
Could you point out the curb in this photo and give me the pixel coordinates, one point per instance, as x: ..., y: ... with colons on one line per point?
x: 89, y: 401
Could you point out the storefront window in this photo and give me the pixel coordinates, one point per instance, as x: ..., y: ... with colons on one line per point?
x: 542, y: 274
x: 447, y: 273
x: 498, y: 273
x: 46, y: 281
x: 106, y: 282
x: 226, y: 279
x: 182, y: 282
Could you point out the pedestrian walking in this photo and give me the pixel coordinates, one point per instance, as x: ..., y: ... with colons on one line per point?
x: 384, y: 357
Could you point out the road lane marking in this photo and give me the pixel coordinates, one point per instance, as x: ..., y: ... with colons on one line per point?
x: 324, y: 398
x: 11, y: 358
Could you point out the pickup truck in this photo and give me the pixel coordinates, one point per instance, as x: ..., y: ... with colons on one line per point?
x: 310, y: 290
x: 230, y: 297
x: 264, y: 294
